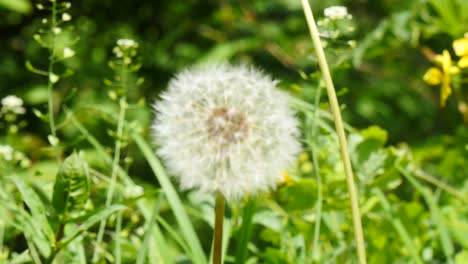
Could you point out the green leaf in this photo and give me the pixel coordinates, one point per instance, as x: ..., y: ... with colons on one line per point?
x: 461, y: 257
x: 71, y: 188
x: 19, y: 6
x: 299, y: 195
x: 245, y: 231
x: 37, y: 209
x: 225, y: 51
x: 34, y: 237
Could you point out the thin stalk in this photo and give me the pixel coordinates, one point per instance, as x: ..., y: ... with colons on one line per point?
x: 353, y: 196
x: 440, y: 184
x: 315, y: 254
x: 143, y: 251
x: 50, y: 83
x: 115, y: 161
x: 218, y: 229
x: 118, y: 229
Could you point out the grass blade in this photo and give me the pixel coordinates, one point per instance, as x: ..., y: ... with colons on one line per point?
x: 173, y: 198
x: 437, y: 217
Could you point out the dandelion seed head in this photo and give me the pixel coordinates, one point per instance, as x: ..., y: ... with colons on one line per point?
x: 227, y: 129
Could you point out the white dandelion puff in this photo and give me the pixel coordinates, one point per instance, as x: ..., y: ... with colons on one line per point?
x: 226, y: 129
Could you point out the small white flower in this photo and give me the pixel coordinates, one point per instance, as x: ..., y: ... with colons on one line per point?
x: 56, y: 30
x: 14, y: 104
x: 225, y: 129
x: 336, y: 12
x: 127, y: 43
x: 66, y: 17
x: 133, y: 191
x: 6, y: 152
x: 68, y: 52
x: 53, y: 78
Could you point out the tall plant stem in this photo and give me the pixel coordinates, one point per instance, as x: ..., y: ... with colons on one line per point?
x: 313, y: 141
x: 115, y: 164
x: 353, y: 196
x: 218, y: 229
x: 115, y: 161
x: 50, y: 81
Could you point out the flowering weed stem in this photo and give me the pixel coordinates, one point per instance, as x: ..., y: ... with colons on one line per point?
x: 51, y: 76
x: 115, y: 162
x: 353, y: 196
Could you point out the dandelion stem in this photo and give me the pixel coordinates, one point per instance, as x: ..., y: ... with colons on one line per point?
x: 218, y: 229
x: 353, y: 196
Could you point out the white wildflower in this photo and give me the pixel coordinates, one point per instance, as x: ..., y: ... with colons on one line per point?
x: 127, y: 43
x: 56, y: 30
x: 225, y: 129
x: 68, y: 52
x: 336, y: 12
x: 117, y: 51
x: 66, y: 17
x: 6, y: 152
x: 133, y: 191
x: 13, y: 104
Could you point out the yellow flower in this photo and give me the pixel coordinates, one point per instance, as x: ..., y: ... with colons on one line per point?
x: 460, y: 46
x: 463, y: 62
x: 435, y: 76
x: 286, y: 178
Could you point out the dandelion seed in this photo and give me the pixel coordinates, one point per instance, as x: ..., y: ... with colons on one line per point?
x: 225, y: 129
